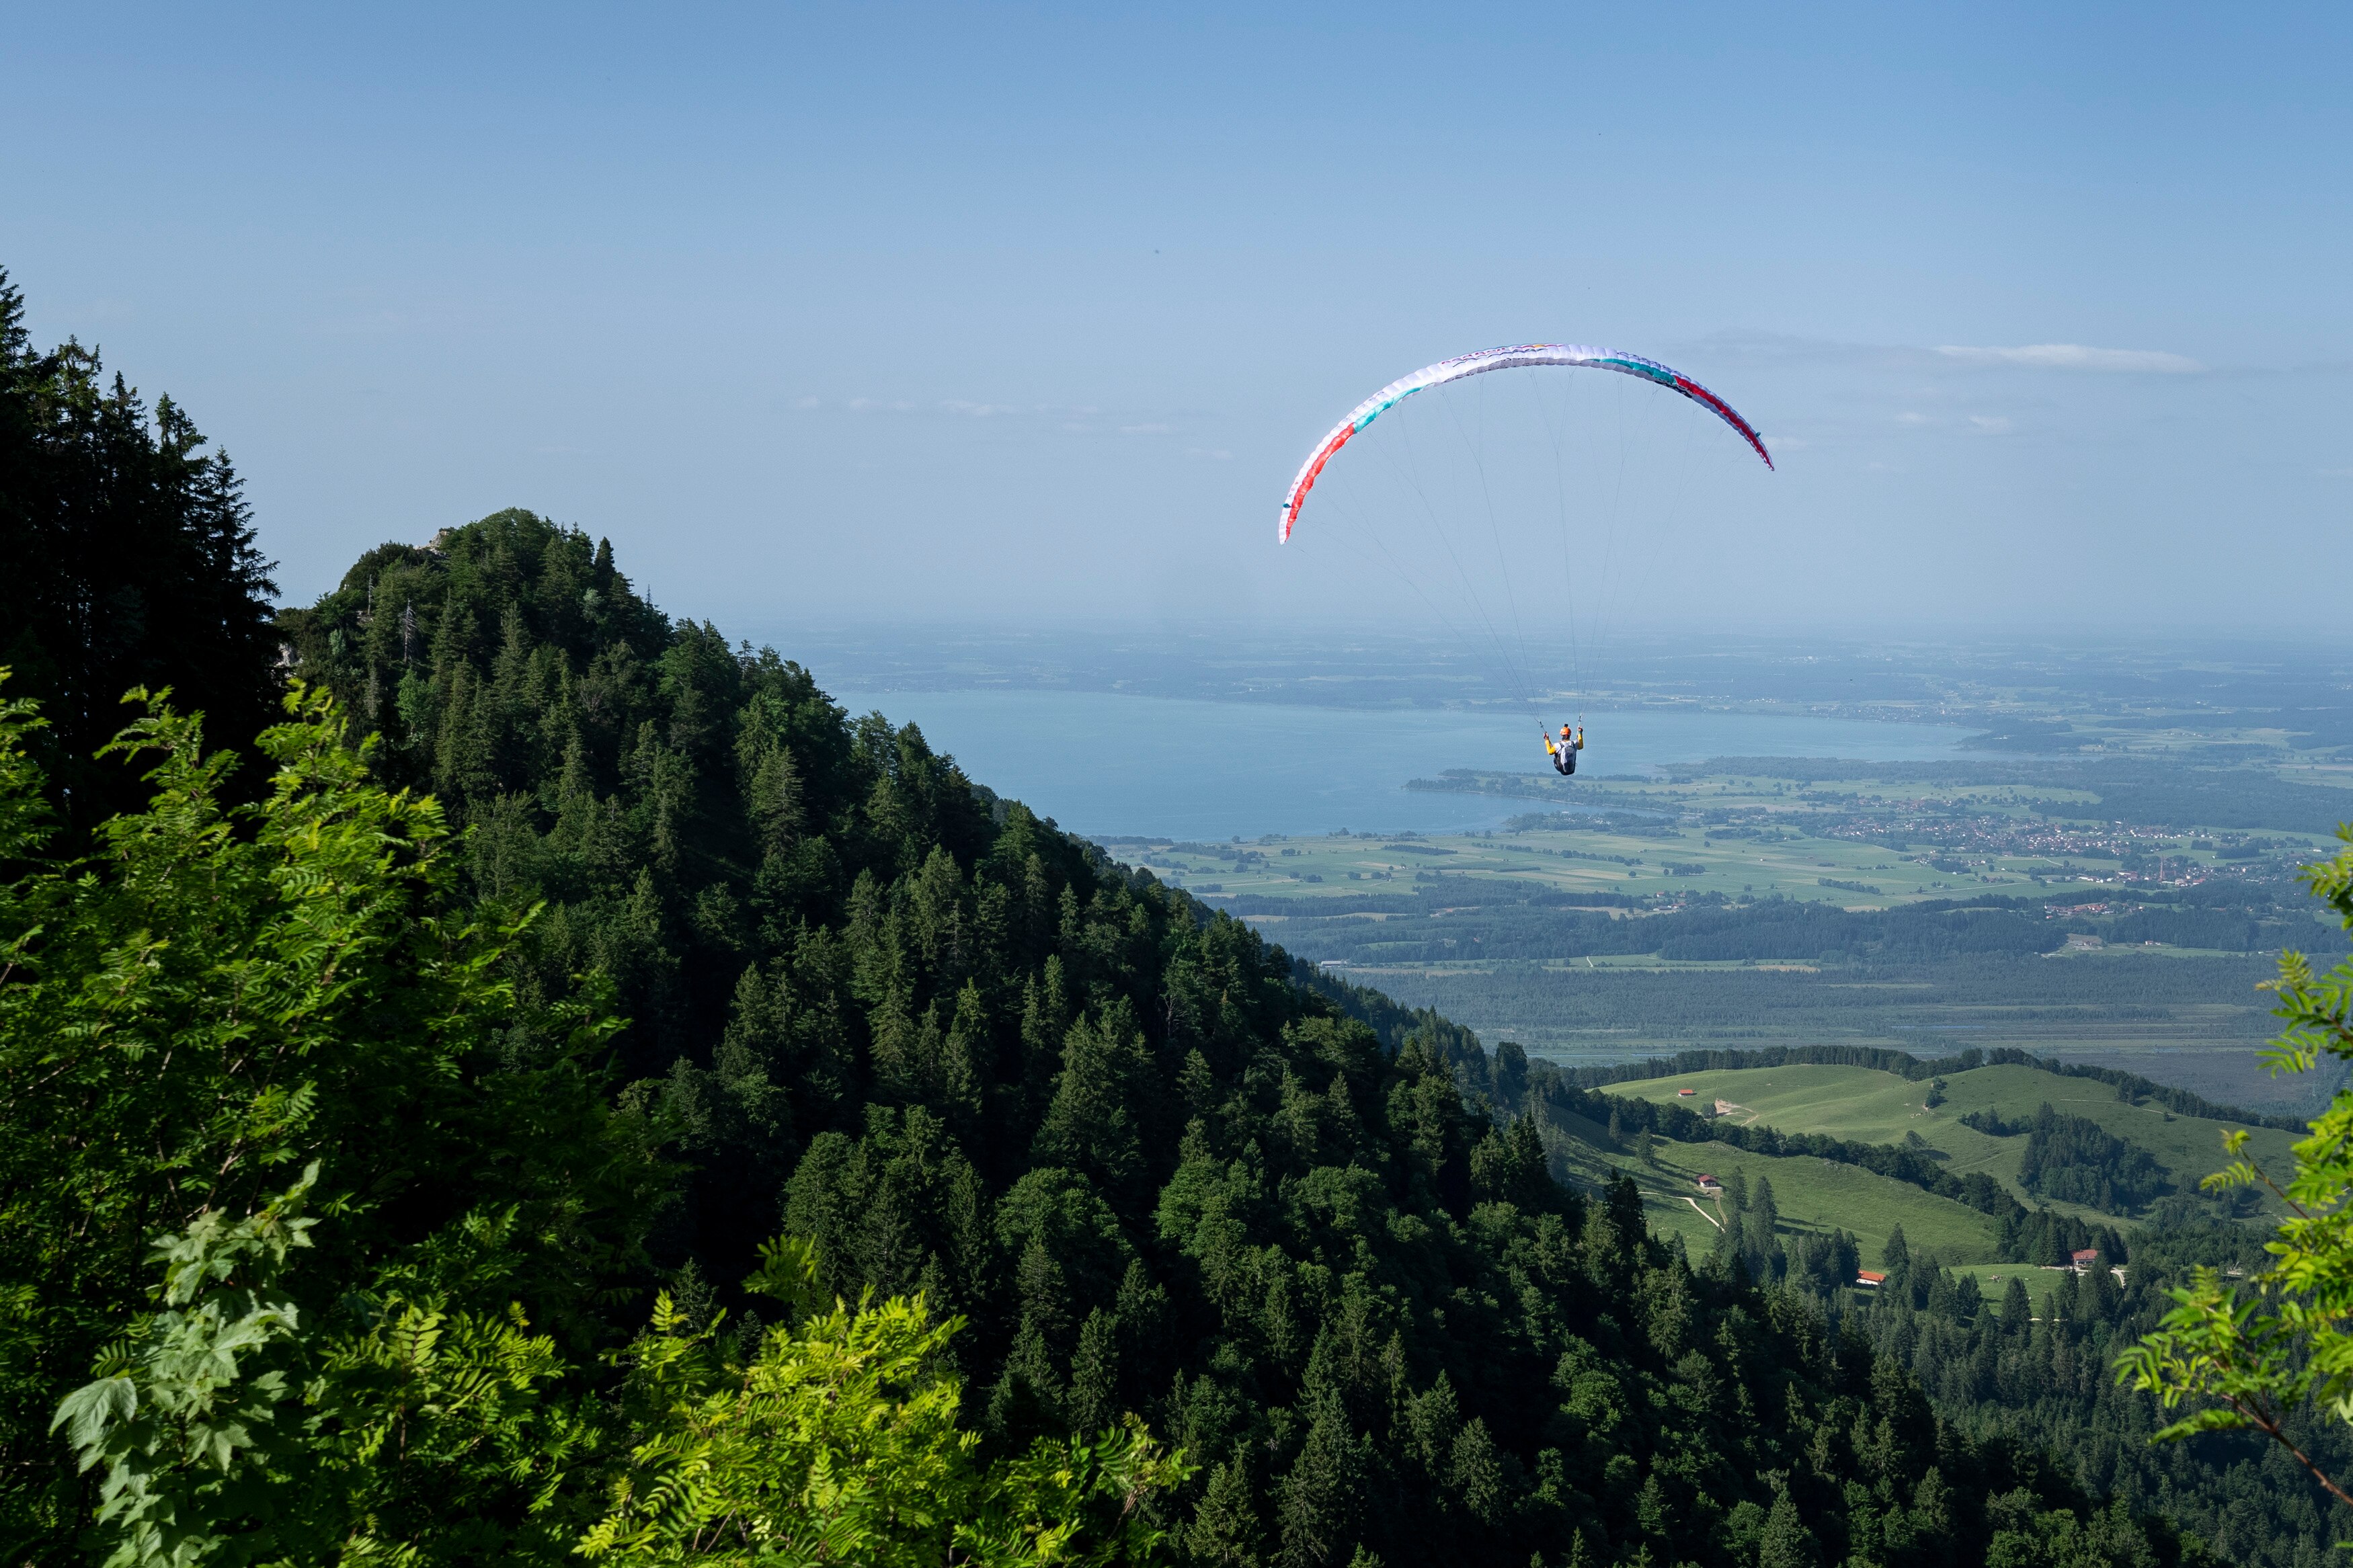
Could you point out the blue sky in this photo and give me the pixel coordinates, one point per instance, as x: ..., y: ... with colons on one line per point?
x: 1005, y: 313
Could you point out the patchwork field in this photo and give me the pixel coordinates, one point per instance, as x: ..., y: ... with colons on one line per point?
x: 1807, y: 902
x: 1590, y: 856
x: 1860, y: 838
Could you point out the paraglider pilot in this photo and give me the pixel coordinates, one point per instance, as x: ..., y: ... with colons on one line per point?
x: 1564, y: 752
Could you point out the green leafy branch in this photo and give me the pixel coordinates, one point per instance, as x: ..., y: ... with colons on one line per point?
x: 2279, y: 1343
x: 839, y: 1443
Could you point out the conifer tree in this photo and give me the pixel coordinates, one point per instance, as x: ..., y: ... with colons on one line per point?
x: 1322, y: 1495
x: 1224, y: 1531
x: 132, y: 561
x: 1787, y: 1542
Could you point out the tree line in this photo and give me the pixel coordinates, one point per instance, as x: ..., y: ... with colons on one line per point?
x: 1904, y: 1063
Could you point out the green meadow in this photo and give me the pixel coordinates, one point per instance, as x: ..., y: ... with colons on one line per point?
x: 1874, y: 1106
x: 1813, y: 1195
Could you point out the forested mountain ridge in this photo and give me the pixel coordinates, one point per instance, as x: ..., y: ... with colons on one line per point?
x: 130, y: 560
x: 960, y: 1051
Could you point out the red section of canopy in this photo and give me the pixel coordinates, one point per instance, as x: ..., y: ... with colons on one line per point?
x: 1699, y: 393
x: 1340, y: 438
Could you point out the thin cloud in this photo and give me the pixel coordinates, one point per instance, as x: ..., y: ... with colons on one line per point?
x: 2078, y: 356
x: 1991, y: 424
x: 1775, y: 348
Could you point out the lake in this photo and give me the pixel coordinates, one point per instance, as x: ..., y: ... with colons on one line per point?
x: 1109, y: 765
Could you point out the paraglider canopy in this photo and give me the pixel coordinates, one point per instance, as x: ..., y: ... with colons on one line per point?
x: 1519, y: 356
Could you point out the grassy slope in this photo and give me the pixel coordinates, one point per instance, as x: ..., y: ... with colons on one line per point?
x: 1812, y: 1195
x: 1874, y: 1106
x: 1816, y: 1195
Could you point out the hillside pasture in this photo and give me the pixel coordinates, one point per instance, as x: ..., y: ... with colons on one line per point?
x: 1870, y: 1106
x: 1814, y: 1196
